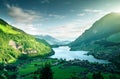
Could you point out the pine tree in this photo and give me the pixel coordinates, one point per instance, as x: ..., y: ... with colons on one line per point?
x: 46, y: 72
x: 98, y: 76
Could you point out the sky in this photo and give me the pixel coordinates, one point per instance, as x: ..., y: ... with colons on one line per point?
x: 62, y: 19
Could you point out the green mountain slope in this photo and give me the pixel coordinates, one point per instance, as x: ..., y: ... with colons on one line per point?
x: 15, y: 42
x: 102, y: 39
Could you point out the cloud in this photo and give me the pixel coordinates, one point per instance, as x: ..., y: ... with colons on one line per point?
x: 92, y: 10
x: 22, y: 16
x: 56, y: 16
x: 69, y: 31
x: 25, y: 20
x: 97, y: 14
x: 81, y: 14
x: 29, y: 28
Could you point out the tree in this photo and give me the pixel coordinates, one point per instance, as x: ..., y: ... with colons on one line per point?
x: 46, y: 72
x: 97, y: 75
x: 4, y: 74
x: 113, y: 76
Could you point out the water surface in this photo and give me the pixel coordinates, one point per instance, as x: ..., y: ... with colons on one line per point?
x: 65, y: 53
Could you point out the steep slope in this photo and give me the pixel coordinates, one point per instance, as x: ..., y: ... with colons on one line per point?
x: 102, y: 39
x: 51, y: 40
x: 15, y: 42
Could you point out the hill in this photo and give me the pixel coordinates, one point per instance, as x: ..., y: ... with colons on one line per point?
x: 51, y: 40
x: 102, y: 39
x: 15, y: 42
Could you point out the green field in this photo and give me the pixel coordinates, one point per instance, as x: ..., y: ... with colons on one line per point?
x: 59, y: 71
x: 67, y: 72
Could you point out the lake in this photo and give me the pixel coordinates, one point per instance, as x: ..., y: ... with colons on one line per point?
x: 65, y: 53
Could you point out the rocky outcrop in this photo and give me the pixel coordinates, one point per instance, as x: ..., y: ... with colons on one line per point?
x: 17, y: 47
x: 14, y: 45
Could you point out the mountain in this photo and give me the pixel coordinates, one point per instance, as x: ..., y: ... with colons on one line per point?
x: 51, y: 40
x: 102, y: 39
x: 48, y: 38
x: 15, y: 42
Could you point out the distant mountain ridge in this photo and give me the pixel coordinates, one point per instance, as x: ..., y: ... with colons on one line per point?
x: 51, y: 40
x: 15, y: 42
x: 102, y: 39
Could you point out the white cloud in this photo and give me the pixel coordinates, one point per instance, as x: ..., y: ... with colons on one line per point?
x: 97, y: 14
x: 68, y: 31
x: 92, y: 10
x: 100, y: 12
x: 22, y: 16
x: 56, y: 16
x: 24, y: 20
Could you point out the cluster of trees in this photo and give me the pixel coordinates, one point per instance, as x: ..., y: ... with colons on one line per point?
x: 5, y: 69
x: 97, y: 76
x: 44, y: 73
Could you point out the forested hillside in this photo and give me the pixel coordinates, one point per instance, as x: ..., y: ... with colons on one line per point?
x: 15, y: 42
x: 102, y: 40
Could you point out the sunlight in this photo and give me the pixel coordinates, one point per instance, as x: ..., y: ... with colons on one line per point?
x: 117, y: 10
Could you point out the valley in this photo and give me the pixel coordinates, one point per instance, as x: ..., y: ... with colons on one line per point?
x: 29, y: 67
x: 78, y: 59
x: 59, y: 39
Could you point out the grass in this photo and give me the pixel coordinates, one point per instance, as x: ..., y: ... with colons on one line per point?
x: 30, y: 67
x: 59, y: 71
x: 67, y: 72
x: 8, y: 29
